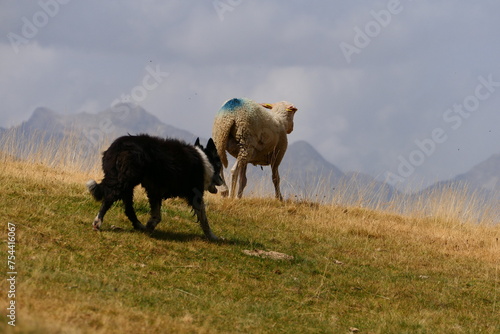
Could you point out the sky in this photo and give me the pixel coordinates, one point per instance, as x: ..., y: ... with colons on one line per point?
x: 407, y: 91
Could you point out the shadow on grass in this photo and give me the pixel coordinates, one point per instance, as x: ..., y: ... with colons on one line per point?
x: 187, y: 237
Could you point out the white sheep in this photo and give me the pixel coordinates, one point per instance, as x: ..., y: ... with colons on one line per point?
x: 252, y: 133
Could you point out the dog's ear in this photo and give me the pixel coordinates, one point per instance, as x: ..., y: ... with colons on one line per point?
x: 197, y: 142
x: 211, y: 145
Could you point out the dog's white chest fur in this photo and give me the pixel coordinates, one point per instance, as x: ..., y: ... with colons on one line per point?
x: 207, y: 167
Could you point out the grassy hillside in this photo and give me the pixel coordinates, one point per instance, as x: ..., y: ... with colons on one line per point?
x: 352, y: 268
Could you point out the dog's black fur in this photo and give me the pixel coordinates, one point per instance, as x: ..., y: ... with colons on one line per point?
x: 165, y: 168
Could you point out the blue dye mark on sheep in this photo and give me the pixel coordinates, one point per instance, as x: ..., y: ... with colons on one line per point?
x: 231, y: 105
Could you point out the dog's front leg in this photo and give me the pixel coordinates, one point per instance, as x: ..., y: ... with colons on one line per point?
x: 199, y: 209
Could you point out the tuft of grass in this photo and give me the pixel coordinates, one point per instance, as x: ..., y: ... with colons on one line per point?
x: 352, y: 267
x: 453, y: 204
x: 69, y: 151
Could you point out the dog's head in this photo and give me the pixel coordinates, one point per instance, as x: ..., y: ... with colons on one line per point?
x: 213, y: 178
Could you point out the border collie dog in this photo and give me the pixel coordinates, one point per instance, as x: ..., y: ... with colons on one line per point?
x: 165, y: 168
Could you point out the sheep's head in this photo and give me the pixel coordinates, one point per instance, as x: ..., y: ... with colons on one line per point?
x: 285, y: 108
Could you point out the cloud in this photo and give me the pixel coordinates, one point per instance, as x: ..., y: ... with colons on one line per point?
x: 21, y: 76
x: 360, y: 115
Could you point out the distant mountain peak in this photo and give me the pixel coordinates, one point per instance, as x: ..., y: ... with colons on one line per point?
x: 43, y: 118
x: 308, y: 159
x: 103, y: 126
x: 306, y: 150
x: 129, y: 110
x: 43, y: 112
x: 484, y: 175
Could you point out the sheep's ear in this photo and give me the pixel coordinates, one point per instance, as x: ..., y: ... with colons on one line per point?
x: 267, y: 105
x: 291, y: 108
x: 197, y: 142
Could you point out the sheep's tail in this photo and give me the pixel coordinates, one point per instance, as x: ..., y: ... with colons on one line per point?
x: 96, y: 190
x: 220, y: 134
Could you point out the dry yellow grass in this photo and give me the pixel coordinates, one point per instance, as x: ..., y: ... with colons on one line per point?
x: 374, y: 270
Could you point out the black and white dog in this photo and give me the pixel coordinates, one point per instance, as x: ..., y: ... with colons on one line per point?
x: 165, y: 168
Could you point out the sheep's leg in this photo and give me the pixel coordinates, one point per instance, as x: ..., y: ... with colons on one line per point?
x: 275, y: 162
x: 243, y: 179
x: 246, y: 152
x: 234, y: 178
x: 276, y: 181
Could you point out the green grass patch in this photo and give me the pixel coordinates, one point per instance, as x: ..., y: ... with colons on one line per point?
x: 351, y: 267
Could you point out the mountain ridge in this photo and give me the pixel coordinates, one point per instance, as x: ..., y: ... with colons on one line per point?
x: 304, y: 169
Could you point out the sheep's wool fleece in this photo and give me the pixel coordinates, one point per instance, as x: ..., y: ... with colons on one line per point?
x: 250, y: 118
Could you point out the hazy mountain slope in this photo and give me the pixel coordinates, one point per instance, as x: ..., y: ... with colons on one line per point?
x: 483, y: 179
x: 305, y: 173
x: 485, y: 175
x: 110, y: 123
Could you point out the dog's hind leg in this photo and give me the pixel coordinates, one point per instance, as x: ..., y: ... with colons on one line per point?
x: 106, y: 204
x: 155, y: 203
x: 128, y: 201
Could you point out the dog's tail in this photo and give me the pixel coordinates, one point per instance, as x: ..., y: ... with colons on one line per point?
x: 96, y: 190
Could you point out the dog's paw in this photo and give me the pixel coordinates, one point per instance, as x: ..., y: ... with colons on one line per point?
x: 139, y: 227
x: 150, y: 226
x: 213, y: 238
x: 96, y: 225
